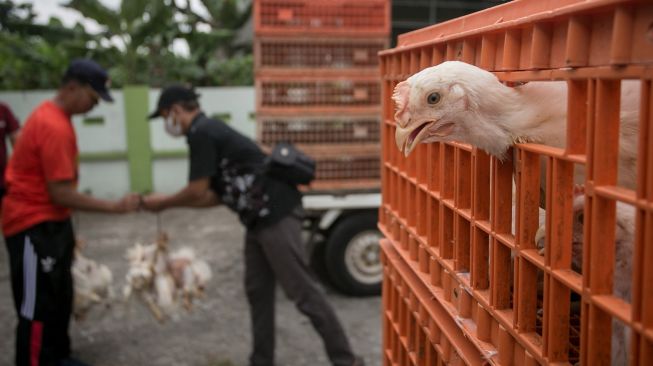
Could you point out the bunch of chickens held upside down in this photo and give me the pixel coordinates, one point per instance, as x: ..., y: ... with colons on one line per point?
x: 455, y: 101
x: 163, y: 280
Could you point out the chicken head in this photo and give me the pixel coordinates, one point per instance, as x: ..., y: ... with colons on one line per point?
x: 443, y: 103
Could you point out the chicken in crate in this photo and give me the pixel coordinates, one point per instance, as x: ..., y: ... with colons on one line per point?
x: 456, y: 101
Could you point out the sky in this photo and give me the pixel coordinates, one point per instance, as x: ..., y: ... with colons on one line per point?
x: 47, y: 8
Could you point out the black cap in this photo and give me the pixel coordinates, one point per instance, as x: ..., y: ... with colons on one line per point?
x: 89, y: 72
x: 171, y: 95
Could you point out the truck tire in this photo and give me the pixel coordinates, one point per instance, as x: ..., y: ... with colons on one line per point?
x: 352, y: 255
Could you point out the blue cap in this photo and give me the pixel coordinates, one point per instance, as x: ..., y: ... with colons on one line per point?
x: 89, y: 72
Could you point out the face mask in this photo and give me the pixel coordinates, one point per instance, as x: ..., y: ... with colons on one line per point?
x: 173, y: 127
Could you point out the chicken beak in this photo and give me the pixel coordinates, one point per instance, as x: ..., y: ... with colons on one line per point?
x: 401, y: 135
x: 405, y: 143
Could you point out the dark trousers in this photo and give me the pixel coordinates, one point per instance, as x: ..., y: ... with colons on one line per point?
x: 40, y: 260
x: 275, y: 253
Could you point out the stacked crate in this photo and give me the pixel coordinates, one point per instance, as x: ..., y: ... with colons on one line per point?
x: 463, y: 287
x: 317, y: 84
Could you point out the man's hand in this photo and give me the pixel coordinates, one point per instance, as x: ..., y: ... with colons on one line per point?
x: 196, y: 194
x: 130, y: 202
x: 64, y: 193
x: 154, y: 202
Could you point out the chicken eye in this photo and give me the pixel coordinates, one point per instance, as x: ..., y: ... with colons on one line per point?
x: 433, y: 98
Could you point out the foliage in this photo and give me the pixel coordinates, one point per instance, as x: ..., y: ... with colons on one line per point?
x: 135, y: 43
x: 235, y: 70
x: 35, y: 55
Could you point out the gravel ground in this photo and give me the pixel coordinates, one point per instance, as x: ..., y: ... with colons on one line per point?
x: 216, y: 332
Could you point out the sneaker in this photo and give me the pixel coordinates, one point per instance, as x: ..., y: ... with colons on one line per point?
x: 72, y: 362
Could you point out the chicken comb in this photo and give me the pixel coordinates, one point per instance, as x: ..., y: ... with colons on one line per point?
x: 400, y: 96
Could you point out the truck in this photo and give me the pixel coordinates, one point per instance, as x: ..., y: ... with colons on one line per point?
x: 343, y: 240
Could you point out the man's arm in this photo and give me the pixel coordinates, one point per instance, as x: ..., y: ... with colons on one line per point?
x: 196, y: 194
x: 64, y: 193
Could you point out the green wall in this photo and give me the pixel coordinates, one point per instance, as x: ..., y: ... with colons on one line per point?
x: 139, y: 149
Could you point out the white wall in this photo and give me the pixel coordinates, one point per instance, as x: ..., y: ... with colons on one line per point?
x: 108, y: 179
x: 111, y: 179
x: 109, y: 136
x: 169, y: 175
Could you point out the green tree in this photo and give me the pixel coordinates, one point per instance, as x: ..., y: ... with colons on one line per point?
x: 224, y: 59
x: 35, y: 55
x: 148, y: 28
x: 135, y: 43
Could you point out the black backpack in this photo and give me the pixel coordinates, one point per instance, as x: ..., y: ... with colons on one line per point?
x: 289, y: 164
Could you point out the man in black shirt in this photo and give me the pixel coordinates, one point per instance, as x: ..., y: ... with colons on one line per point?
x: 227, y: 168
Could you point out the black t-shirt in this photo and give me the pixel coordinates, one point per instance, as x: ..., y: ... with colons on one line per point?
x: 234, y: 163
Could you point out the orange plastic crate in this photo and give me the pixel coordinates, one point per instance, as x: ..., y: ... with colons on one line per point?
x: 363, y: 18
x: 344, y: 186
x: 278, y: 94
x: 345, y: 167
x: 319, y: 130
x: 345, y: 161
x: 458, y: 281
x: 317, y: 84
x: 318, y: 56
x: 416, y: 329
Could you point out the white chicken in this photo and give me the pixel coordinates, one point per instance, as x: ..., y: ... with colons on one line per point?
x: 624, y: 244
x: 189, y: 273
x: 148, y: 276
x: 161, y: 278
x: 141, y: 267
x: 623, y: 270
x: 92, y: 284
x: 623, y: 266
x: 456, y: 101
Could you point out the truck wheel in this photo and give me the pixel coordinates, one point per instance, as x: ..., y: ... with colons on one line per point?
x: 353, y: 258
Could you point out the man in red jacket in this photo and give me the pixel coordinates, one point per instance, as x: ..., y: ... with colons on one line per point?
x: 41, y: 191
